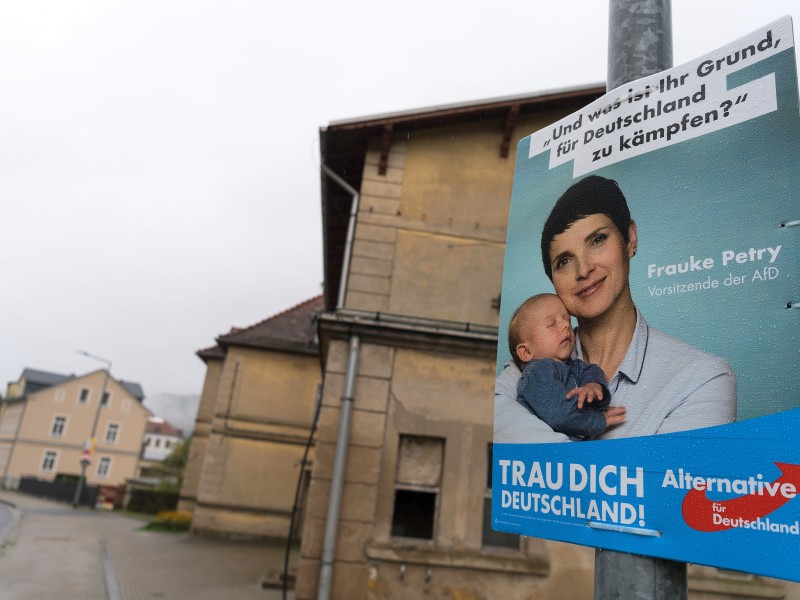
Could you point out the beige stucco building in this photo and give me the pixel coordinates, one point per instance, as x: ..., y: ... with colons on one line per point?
x: 47, y: 418
x: 253, y: 424
x: 421, y: 296
x: 415, y: 206
x: 408, y: 345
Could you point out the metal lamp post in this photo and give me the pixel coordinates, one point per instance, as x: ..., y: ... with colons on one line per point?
x: 85, y: 456
x: 639, y: 44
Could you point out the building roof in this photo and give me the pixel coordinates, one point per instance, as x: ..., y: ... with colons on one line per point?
x: 471, y: 107
x: 160, y: 426
x: 292, y: 330
x: 134, y: 389
x: 343, y: 148
x: 36, y: 380
x: 213, y: 353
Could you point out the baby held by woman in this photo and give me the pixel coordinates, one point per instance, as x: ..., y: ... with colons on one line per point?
x: 566, y: 393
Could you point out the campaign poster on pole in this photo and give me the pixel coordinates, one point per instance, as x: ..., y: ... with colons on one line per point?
x: 666, y: 217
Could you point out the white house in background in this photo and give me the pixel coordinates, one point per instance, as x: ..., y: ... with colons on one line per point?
x: 160, y: 439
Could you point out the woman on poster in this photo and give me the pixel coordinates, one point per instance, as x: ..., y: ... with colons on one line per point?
x: 664, y: 384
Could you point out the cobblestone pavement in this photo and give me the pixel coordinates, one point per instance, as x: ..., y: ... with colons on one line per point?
x: 51, y: 550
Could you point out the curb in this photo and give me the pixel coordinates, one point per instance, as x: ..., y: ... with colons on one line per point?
x: 109, y: 575
x: 13, y: 527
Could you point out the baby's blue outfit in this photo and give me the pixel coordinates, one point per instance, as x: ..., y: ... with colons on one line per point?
x: 543, y: 389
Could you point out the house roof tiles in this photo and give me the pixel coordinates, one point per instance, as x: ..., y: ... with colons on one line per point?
x: 213, y: 353
x: 293, y: 329
x: 160, y: 426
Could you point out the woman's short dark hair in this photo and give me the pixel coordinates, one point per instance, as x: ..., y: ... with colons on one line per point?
x: 590, y: 196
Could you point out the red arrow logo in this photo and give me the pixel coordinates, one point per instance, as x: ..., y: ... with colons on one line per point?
x: 699, y: 511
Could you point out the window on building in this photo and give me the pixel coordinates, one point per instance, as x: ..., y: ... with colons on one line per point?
x: 49, y: 461
x: 104, y: 467
x: 167, y: 444
x: 491, y: 538
x: 106, y: 399
x: 83, y: 396
x: 111, y: 433
x: 59, y: 425
x: 417, y: 484
x: 157, y: 443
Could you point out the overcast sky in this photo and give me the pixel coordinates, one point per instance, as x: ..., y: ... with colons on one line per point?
x: 159, y: 158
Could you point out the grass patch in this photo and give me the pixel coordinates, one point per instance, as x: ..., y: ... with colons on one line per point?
x: 133, y: 515
x: 170, y: 520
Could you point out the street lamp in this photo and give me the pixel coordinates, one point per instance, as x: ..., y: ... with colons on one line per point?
x: 85, y: 460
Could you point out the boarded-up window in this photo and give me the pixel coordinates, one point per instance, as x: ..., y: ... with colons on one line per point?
x: 418, y: 480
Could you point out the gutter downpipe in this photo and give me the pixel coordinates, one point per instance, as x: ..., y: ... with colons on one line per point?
x: 639, y: 44
x: 325, y: 584
x: 337, y: 476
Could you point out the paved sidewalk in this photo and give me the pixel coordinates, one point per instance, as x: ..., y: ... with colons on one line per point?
x: 54, y: 551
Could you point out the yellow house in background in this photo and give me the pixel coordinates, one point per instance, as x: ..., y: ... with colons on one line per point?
x: 47, y: 418
x: 253, y: 425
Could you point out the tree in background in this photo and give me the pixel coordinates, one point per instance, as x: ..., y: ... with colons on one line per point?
x: 172, y: 468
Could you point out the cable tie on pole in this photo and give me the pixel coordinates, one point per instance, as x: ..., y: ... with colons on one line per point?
x: 624, y: 529
x: 790, y: 223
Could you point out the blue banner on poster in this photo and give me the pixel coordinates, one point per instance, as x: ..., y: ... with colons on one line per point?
x: 664, y: 495
x: 652, y: 311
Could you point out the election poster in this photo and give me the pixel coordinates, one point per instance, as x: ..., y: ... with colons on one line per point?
x: 661, y: 223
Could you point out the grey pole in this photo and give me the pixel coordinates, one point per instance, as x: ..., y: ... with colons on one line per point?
x: 639, y: 44
x: 82, y: 479
x: 639, y: 39
x: 626, y: 576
